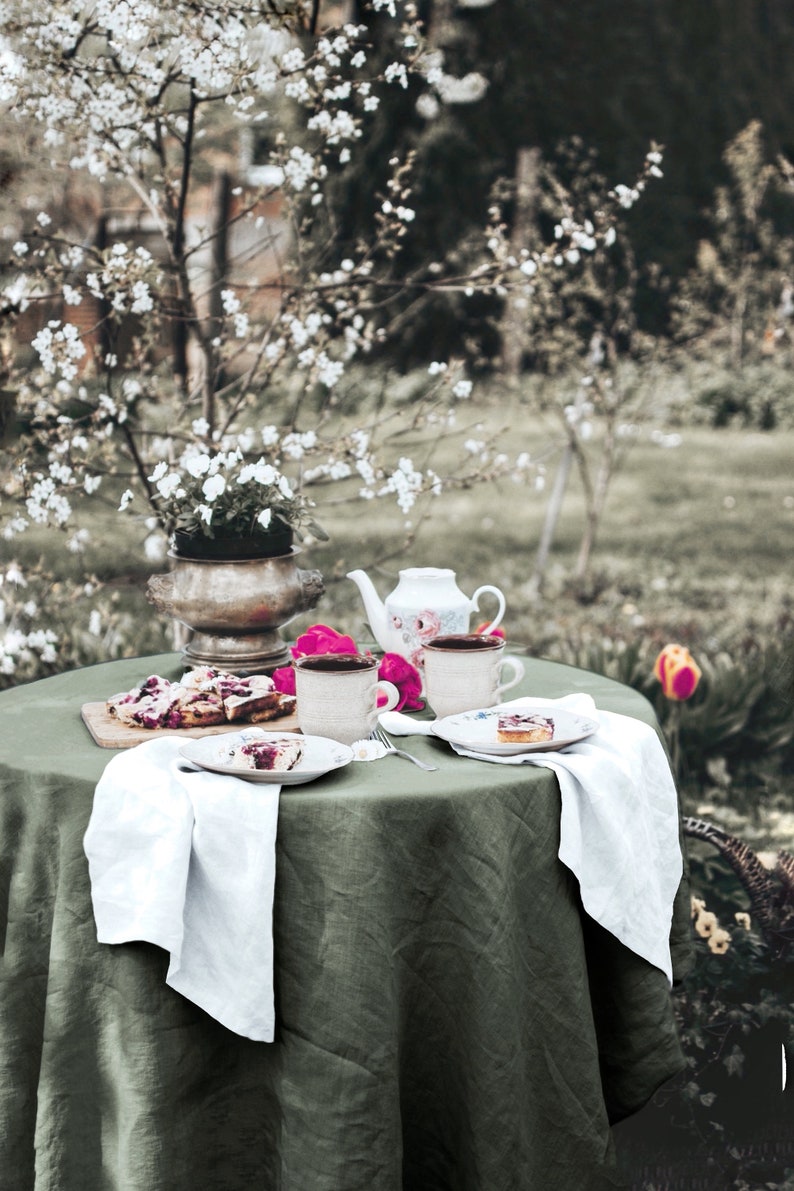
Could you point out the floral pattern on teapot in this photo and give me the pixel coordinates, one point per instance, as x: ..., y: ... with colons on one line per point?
x: 417, y: 628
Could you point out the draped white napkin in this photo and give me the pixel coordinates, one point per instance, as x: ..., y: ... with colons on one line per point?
x: 186, y: 860
x: 619, y: 830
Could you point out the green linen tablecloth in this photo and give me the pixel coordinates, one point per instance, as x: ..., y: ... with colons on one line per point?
x: 448, y: 1018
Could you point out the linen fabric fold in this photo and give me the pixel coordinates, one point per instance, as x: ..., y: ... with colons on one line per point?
x: 186, y: 860
x: 620, y: 825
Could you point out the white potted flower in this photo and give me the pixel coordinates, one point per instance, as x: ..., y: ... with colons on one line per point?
x: 225, y: 505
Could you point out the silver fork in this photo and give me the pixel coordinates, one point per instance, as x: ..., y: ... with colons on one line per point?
x: 379, y: 735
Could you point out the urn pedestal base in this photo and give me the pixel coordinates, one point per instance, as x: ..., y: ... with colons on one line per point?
x: 234, y: 608
x: 243, y: 653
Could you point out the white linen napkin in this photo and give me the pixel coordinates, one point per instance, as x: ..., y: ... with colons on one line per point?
x: 619, y: 829
x: 186, y: 860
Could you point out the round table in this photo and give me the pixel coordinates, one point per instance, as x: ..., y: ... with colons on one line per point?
x: 447, y: 1016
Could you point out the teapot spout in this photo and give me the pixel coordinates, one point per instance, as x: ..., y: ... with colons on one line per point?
x: 374, y: 607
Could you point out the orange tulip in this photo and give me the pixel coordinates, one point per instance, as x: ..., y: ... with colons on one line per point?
x: 677, y: 671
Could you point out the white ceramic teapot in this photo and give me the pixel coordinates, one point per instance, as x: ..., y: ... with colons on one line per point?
x: 426, y: 602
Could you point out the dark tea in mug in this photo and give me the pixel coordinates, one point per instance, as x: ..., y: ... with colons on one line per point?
x: 336, y: 663
x: 466, y: 641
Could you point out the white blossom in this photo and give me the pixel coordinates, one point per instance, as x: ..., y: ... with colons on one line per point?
x: 14, y: 574
x: 155, y: 547
x: 59, y: 346
x: 230, y: 301
x: 626, y: 196
x: 405, y: 482
x: 395, y: 72
x: 329, y: 371
x: 469, y: 89
x: 77, y: 542
x: 13, y: 527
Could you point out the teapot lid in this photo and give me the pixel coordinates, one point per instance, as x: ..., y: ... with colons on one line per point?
x: 427, y: 573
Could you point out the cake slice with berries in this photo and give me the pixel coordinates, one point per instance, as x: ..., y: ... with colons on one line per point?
x: 524, y: 727
x: 285, y: 706
x: 277, y: 755
x: 244, y: 697
x: 150, y: 705
x: 196, y: 708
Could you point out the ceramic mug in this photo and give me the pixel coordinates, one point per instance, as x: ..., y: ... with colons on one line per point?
x: 463, y: 672
x: 337, y: 695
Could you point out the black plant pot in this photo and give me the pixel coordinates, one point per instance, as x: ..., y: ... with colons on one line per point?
x: 271, y: 543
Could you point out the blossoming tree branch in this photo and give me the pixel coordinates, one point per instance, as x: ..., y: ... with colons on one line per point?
x: 191, y: 319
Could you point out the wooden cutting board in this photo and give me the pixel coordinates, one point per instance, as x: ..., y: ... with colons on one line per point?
x: 108, y: 733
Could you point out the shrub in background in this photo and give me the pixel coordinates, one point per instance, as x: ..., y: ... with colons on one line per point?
x: 83, y: 628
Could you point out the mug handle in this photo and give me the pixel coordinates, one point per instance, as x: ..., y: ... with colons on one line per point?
x: 518, y: 674
x: 392, y: 696
x: 500, y: 597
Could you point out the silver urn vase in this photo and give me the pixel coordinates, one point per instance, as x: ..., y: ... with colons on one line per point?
x: 234, y: 608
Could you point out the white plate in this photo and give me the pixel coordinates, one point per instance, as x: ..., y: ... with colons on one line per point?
x: 320, y: 756
x: 475, y: 731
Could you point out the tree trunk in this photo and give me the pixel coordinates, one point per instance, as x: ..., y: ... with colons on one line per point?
x: 554, y: 507
x: 597, y: 502
x: 553, y: 510
x: 221, y: 203
x: 516, y: 312
x: 221, y: 207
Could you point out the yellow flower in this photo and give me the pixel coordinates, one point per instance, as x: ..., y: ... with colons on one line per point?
x: 743, y: 919
x: 706, y: 924
x: 719, y: 941
x: 697, y: 905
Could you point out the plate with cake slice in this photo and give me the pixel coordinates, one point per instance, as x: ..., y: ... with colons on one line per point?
x: 509, y: 731
x: 255, y: 755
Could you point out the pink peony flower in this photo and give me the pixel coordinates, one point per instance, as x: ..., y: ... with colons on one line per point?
x: 398, y: 670
x: 497, y: 632
x: 322, y: 639
x: 284, y: 680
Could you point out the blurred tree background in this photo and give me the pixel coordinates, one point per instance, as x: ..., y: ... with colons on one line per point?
x: 688, y: 76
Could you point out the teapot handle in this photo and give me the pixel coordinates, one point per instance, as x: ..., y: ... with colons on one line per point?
x: 500, y: 597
